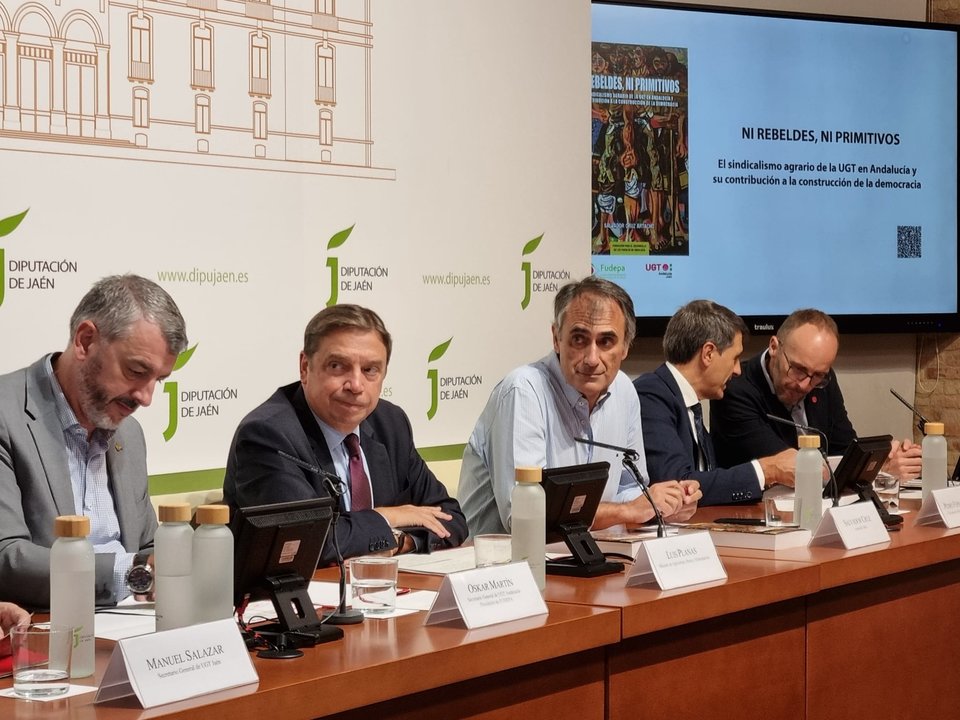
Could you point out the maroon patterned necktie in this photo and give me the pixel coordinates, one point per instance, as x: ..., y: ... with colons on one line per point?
x: 359, y: 484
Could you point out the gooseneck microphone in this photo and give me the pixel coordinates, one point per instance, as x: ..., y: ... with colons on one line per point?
x: 333, y: 485
x: 921, y: 420
x: 807, y: 429
x: 629, y: 459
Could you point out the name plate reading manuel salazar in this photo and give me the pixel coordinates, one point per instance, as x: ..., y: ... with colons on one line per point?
x: 941, y: 505
x: 487, y: 596
x: 173, y: 665
x: 856, y: 526
x: 678, y: 561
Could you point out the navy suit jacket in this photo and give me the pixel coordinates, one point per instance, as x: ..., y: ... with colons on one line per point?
x: 741, y: 428
x: 257, y: 474
x: 671, y: 451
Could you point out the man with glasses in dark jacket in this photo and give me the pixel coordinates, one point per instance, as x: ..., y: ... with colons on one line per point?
x: 794, y: 380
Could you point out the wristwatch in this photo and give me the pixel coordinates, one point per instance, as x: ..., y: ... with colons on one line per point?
x: 140, y: 575
x: 400, y: 537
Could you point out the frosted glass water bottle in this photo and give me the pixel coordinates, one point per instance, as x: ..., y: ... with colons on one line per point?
x: 72, y: 572
x: 528, y: 523
x: 172, y: 566
x: 933, y: 453
x: 808, y: 483
x: 212, y: 564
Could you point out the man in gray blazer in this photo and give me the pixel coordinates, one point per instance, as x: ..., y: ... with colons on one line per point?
x: 69, y: 447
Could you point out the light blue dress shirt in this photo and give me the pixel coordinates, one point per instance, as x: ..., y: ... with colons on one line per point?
x: 532, y: 419
x: 87, y: 460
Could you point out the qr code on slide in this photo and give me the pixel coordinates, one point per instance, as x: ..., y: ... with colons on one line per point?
x: 908, y: 241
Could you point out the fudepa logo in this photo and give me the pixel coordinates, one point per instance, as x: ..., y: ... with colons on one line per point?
x: 7, y: 226
x: 351, y: 278
x: 433, y: 377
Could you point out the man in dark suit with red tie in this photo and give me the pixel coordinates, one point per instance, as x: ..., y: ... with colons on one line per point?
x: 702, y: 346
x: 334, y: 421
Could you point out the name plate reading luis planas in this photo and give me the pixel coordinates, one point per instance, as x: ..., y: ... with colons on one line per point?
x: 173, y: 665
x: 679, y: 561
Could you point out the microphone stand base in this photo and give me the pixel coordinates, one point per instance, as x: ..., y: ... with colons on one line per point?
x: 344, y: 617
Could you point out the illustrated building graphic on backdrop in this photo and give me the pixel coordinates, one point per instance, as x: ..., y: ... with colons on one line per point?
x: 268, y: 85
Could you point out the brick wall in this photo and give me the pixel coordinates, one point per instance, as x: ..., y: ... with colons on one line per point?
x: 938, y: 356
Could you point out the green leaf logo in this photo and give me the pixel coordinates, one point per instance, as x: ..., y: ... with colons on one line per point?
x: 184, y: 357
x: 439, y: 350
x: 340, y: 238
x: 8, y: 225
x: 532, y: 245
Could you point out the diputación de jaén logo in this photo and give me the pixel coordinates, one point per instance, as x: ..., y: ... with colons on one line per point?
x: 525, y: 267
x: 333, y: 263
x: 433, y: 377
x: 170, y: 388
x: 7, y: 226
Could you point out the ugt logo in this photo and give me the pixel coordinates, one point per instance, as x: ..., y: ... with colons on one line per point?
x: 171, y: 388
x: 432, y: 376
x: 525, y: 267
x: 7, y: 226
x: 333, y: 262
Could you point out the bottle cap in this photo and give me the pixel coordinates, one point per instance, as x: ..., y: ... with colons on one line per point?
x: 213, y: 514
x: 808, y: 441
x: 529, y: 474
x: 71, y: 526
x: 174, y: 512
x: 933, y: 428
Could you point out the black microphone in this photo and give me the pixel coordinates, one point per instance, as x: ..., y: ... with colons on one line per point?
x: 807, y: 429
x: 629, y: 459
x: 921, y: 420
x: 333, y: 485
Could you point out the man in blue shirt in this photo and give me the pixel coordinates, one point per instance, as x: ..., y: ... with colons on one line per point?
x: 537, y: 412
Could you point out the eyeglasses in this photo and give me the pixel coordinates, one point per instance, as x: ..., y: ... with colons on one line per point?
x: 799, y: 374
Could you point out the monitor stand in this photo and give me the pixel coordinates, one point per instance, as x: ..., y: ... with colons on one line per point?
x: 586, y: 559
x: 866, y: 493
x: 297, y: 623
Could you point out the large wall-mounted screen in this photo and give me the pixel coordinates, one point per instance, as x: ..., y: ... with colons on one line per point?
x: 772, y: 162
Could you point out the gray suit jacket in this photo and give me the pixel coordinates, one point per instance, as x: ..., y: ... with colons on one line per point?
x: 35, y: 488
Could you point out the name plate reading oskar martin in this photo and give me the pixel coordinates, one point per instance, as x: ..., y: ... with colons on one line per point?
x: 941, y: 506
x: 173, y: 665
x: 677, y: 561
x: 487, y: 596
x: 855, y: 526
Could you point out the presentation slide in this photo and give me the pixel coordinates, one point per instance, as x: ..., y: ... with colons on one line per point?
x: 772, y: 163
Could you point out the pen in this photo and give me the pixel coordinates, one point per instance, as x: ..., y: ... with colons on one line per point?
x: 740, y: 521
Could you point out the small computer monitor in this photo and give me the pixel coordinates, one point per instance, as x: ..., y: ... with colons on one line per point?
x: 276, y: 551
x: 573, y: 494
x: 858, y: 468
x: 860, y: 463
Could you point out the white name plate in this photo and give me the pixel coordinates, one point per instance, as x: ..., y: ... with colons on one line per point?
x: 173, y: 665
x: 941, y: 505
x: 855, y: 526
x: 678, y: 561
x: 487, y: 596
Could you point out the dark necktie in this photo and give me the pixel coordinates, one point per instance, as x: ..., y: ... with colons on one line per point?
x: 703, y: 440
x: 359, y: 484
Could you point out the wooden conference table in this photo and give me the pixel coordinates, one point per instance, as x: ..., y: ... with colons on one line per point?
x: 816, y: 633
